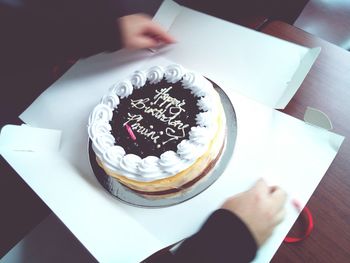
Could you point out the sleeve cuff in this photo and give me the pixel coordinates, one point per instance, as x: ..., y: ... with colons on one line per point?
x: 222, y: 238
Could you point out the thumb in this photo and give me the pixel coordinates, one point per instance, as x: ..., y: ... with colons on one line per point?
x: 261, y: 187
x: 144, y: 42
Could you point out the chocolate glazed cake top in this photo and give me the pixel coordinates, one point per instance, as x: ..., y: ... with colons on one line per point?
x: 154, y: 119
x: 155, y: 123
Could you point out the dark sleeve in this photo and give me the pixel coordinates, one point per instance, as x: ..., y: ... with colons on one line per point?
x: 223, y: 238
x: 45, y: 32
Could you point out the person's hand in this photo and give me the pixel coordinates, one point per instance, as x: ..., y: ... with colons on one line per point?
x: 139, y: 31
x: 261, y: 208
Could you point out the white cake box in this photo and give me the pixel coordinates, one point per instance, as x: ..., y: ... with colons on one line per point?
x: 264, y: 68
x: 284, y: 150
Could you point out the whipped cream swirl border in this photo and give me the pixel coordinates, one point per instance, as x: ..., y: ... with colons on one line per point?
x: 169, y: 163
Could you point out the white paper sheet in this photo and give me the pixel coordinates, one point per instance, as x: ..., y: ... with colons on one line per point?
x: 282, y: 149
x: 92, y: 215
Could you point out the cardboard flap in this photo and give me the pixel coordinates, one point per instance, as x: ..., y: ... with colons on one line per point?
x: 293, y: 85
x: 167, y: 13
x: 264, y: 68
x: 29, y: 139
x: 317, y: 118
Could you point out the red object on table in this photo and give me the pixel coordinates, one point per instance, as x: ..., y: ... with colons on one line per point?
x: 309, y: 222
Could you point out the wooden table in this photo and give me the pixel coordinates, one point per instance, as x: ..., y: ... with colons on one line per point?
x: 327, y: 88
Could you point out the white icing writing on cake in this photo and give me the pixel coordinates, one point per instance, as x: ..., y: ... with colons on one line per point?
x: 169, y: 109
x: 171, y: 133
x: 136, y: 126
x: 164, y: 95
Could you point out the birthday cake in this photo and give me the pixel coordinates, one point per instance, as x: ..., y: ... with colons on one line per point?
x: 159, y: 131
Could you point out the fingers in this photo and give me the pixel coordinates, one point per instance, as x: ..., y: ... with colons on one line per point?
x: 144, y: 42
x: 273, y: 188
x: 261, y: 186
x: 157, y: 32
x: 275, y: 196
x: 275, y: 193
x: 139, y: 31
x: 261, y: 208
x: 278, y: 198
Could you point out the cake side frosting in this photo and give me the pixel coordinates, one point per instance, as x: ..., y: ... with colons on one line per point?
x: 169, y: 163
x: 200, y: 168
